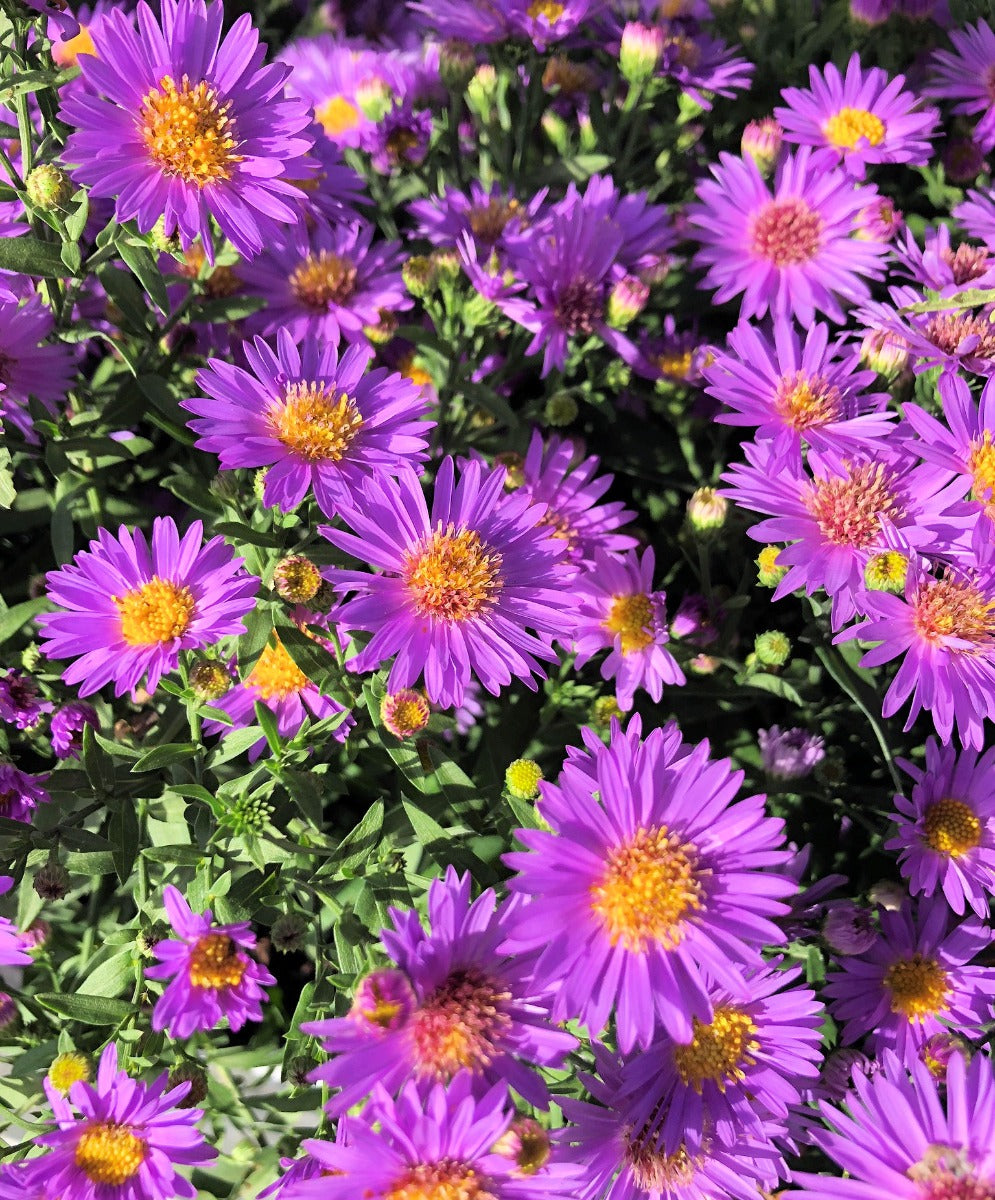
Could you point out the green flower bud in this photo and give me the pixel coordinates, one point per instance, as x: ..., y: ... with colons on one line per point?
x: 48, y: 187
x: 772, y: 648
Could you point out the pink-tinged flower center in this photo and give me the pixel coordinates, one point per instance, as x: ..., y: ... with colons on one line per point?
x: 786, y: 233
x: 384, y: 999
x: 275, y: 675
x: 948, y: 332
x: 718, y: 1051
x: 460, y: 1024
x: 156, y: 612
x: 579, y: 306
x: 337, y: 115
x: 313, y: 423
x: 489, y: 219
x: 981, y: 464
x: 945, y: 1173
x: 967, y: 262
x: 803, y: 401
x: 452, y: 575
x: 847, y: 127
x: 630, y: 618
x: 405, y: 712
x: 918, y: 987
x: 654, y: 1171
x: 108, y: 1153
x: 951, y: 827
x: 447, y: 1179
x: 953, y: 608
x: 848, y: 510
x: 649, y: 888
x: 215, y: 962
x: 326, y: 279
x: 188, y: 131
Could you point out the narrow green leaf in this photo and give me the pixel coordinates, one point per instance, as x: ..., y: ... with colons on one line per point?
x: 14, y: 619
x: 164, y: 756
x: 88, y: 1010
x: 31, y: 256
x: 426, y: 828
x: 110, y: 978
x: 146, y: 270
x: 362, y: 840
x: 267, y: 723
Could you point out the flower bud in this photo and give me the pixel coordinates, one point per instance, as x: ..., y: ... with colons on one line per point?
x: 527, y: 1144
x: 209, y: 679
x: 849, y: 929
x: 37, y: 934
x: 457, y: 64
x: 769, y: 573
x: 884, y: 352
x: 561, y: 409
x: 639, y: 52
x: 67, y: 1069
x: 888, y: 895
x: 762, y: 141
x: 8, y: 1013
x: 166, y: 243
x: 419, y: 274
x: 603, y: 710
x: 48, y: 187
x: 188, y: 1072
x: 707, y: 511
x: 704, y: 664
x: 514, y: 468
x: 150, y: 937
x: 288, y: 933
x: 296, y: 579
x: 299, y: 1068
x: 887, y: 572
x: 51, y: 882
x: 963, y: 160
x: 522, y: 779
x: 626, y: 301
x: 773, y: 648
x: 405, y: 713
x: 937, y: 1051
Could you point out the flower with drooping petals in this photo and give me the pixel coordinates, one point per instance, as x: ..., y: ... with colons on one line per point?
x: 965, y: 75
x: 791, y: 753
x: 13, y: 945
x: 951, y: 337
x: 493, y: 217
x: 19, y: 703
x: 131, y: 606
x: 210, y: 972
x: 940, y: 267
x: 67, y: 725
x: 20, y: 794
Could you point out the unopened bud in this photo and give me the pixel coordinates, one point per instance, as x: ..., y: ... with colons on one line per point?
x: 522, y: 779
x: 937, y: 1051
x: 963, y: 160
x: 299, y: 1068
x: 639, y: 52
x: 769, y: 573
x: 527, y: 1144
x: 8, y: 1013
x: 384, y: 998
x: 296, y: 579
x: 288, y: 933
x: 887, y: 572
x: 48, y: 187
x: 626, y: 301
x: 51, y: 882
x: 166, y: 243
x: 707, y: 511
x: 888, y: 895
x: 447, y: 265
x: 886, y: 353
x: 150, y: 937
x: 772, y: 648
x: 762, y: 141
x: 420, y: 274
x: 405, y: 713
x: 514, y: 468
x: 561, y: 409
x: 849, y: 929
x: 457, y: 64
x: 209, y: 680
x: 189, y: 1073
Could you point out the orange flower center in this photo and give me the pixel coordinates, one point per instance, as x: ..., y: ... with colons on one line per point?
x: 109, y: 1154
x: 276, y: 675
x: 459, y: 1024
x: 718, y: 1051
x: 954, y: 608
x: 313, y: 424
x: 803, y: 401
x: 918, y: 987
x: 337, y: 115
x: 326, y: 279
x: 631, y: 619
x: 951, y: 827
x: 845, y: 128
x: 452, y: 575
x: 447, y: 1179
x: 548, y: 10
x: 188, y: 132
x: 158, y: 611
x: 215, y: 962
x: 848, y: 510
x: 786, y: 233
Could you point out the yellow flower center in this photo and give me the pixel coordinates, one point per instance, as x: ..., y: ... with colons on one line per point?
x: 448, y: 1179
x: 951, y: 827
x: 676, y: 364
x: 918, y: 987
x: 405, y: 712
x: 109, y: 1153
x: 313, y: 424
x: 68, y: 1069
x: 337, y: 115
x: 66, y: 53
x: 649, y: 888
x: 158, y: 611
x: 803, y: 400
x: 845, y: 128
x: 452, y: 575
x: 327, y: 279
x: 631, y: 619
x: 276, y: 675
x: 718, y: 1051
x: 981, y: 464
x: 949, y: 607
x: 548, y: 10
x: 188, y: 132
x: 215, y: 962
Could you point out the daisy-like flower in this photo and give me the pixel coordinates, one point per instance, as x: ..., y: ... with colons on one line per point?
x: 946, y: 829
x: 618, y: 610
x: 457, y: 589
x: 651, y: 884
x: 336, y: 79
x: 493, y: 217
x: 13, y: 945
x: 329, y: 282
x: 210, y: 972
x: 943, y: 269
x: 20, y: 794
x: 67, y: 725
x: 790, y: 251
x: 965, y: 75
x: 909, y: 1137
x: 479, y: 22
x: 125, y: 1140
x: 914, y: 981
x: 977, y: 215
x: 950, y: 338
x: 863, y: 117
x: 789, y: 389
x: 132, y: 606
x: 30, y: 367
x: 19, y: 702
x: 314, y: 419
x: 456, y: 1002
x: 178, y: 124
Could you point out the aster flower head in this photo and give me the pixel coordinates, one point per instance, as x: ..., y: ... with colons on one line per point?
x: 965, y: 75
x: 953, y: 337
x: 13, y: 946
x: 458, y: 589
x: 941, y: 267
x: 20, y: 793
x: 914, y: 981
x: 19, y: 702
x: 130, y: 605
x: 121, y: 1139
x: 651, y: 884
x: 67, y: 725
x: 314, y: 419
x: 790, y: 251
x: 30, y: 367
x: 456, y: 1003
x: 338, y: 80
x: 212, y: 976
x: 179, y: 124
x: 790, y: 753
x: 400, y: 140
x: 863, y: 117
x: 492, y: 216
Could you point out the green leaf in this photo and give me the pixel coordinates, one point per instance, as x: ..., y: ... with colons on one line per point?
x: 307, y: 794
x: 98, y: 770
x: 775, y: 685
x: 88, y: 1010
x: 179, y: 855
x: 146, y: 270
x: 31, y: 256
x: 361, y: 842
x: 125, y: 836
x: 14, y: 619
x: 8, y: 493
x: 164, y: 756
x: 76, y: 221
x: 111, y: 977
x: 427, y: 829
x: 267, y: 723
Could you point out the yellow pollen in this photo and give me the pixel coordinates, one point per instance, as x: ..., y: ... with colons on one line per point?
x: 460, y: 1025
x: 803, y: 401
x: 188, y: 132
x: 108, y: 1153
x: 67, y: 1069
x: 954, y: 608
x: 411, y: 369
x: 313, y: 424
x: 887, y: 570
x: 66, y: 53
x: 453, y: 575
x: 848, y: 509
x: 846, y: 128
x: 215, y: 962
x: 337, y: 116
x: 158, y: 611
x: 548, y: 10
x: 951, y: 827
x: 981, y: 464
x: 327, y: 279
x: 649, y: 888
x: 447, y: 1179
x: 276, y: 675
x: 675, y: 365
x: 918, y: 987
x: 631, y: 619
x: 489, y: 218
x: 718, y: 1051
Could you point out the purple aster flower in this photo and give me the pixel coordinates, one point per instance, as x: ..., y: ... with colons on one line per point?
x: 863, y: 117
x: 210, y: 972
x: 977, y: 215
x: 178, y: 124
x: 131, y: 607
x: 948, y: 338
x: 909, y: 1137
x: 400, y: 140
x: 29, y: 367
x: 618, y: 610
x: 790, y: 251
x: 790, y: 753
x: 703, y: 66
x: 479, y: 22
x: 790, y: 390
x: 125, y: 1140
x: 67, y: 725
x: 650, y: 885
x: 327, y: 282
x: 848, y: 928
x: 648, y: 233
x: 333, y: 191
x: 914, y: 981
x: 946, y: 830
x: 19, y: 703
x: 430, y: 1141
x: 20, y: 794
x: 545, y: 23
x: 492, y: 217
x: 457, y: 1002
x: 314, y: 419
x: 966, y: 75
x: 13, y: 945
x: 940, y: 268
x: 459, y: 589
